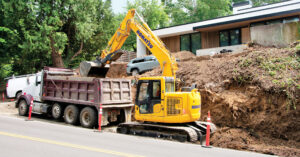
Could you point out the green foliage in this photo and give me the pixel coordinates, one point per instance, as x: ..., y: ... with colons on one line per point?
x: 263, y: 2
x: 186, y: 11
x: 152, y: 11
x: 272, y: 73
x: 153, y: 14
x: 32, y: 30
x: 246, y: 63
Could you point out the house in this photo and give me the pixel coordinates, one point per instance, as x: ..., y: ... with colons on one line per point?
x: 275, y: 24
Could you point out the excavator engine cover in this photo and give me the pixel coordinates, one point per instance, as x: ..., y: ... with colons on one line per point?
x: 93, y: 69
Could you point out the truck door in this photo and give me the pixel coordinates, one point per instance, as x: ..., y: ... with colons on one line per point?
x: 149, y: 97
x: 36, y: 87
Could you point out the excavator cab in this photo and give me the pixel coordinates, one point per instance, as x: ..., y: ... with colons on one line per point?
x: 157, y: 101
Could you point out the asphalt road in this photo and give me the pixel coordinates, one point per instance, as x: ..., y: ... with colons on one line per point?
x: 19, y: 138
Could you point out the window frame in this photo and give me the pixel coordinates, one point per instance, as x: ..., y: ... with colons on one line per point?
x: 190, y: 38
x: 229, y: 36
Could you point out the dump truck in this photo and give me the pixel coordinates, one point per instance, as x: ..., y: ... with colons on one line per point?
x: 63, y: 95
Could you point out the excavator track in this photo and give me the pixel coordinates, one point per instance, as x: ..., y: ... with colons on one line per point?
x: 191, y: 132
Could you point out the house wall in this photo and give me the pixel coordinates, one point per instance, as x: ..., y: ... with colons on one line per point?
x: 172, y: 43
x: 210, y: 39
x: 279, y: 35
x: 245, y: 35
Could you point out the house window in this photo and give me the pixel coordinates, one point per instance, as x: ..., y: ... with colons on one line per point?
x: 196, y: 42
x: 230, y: 37
x: 190, y: 42
x: 235, y: 37
x: 224, y: 38
x: 185, y: 43
x: 291, y: 19
x: 275, y: 21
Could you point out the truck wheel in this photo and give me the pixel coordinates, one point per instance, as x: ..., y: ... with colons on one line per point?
x: 88, y: 117
x: 23, y: 108
x: 71, y: 114
x: 57, y: 111
x: 135, y: 72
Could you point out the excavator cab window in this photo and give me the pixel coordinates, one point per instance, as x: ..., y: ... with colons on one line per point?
x: 148, y: 94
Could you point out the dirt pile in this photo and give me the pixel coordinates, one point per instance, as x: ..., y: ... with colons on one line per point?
x: 184, y: 55
x: 255, y: 94
x: 117, y: 70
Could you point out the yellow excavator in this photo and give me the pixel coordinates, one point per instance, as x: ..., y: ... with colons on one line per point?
x: 160, y: 111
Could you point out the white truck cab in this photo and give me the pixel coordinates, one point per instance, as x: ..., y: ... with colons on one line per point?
x: 34, y: 88
x: 16, y: 84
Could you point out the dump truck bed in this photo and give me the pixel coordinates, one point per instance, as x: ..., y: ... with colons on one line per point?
x: 87, y: 90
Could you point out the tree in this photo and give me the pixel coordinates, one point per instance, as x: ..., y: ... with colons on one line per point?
x: 187, y: 11
x: 153, y: 13
x: 36, y: 33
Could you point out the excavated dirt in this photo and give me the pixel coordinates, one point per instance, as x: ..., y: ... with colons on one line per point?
x: 117, y: 70
x: 8, y: 108
x: 253, y: 97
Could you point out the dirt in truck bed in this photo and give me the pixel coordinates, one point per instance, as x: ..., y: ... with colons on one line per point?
x: 253, y: 97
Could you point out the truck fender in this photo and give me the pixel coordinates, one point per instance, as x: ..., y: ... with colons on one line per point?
x: 27, y: 98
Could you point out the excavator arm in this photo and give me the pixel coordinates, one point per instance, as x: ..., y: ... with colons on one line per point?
x: 112, y: 51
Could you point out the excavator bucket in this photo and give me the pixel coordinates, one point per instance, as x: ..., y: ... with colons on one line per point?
x: 96, y: 68
x: 93, y: 69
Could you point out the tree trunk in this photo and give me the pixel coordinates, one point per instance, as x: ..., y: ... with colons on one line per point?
x: 78, y: 52
x: 55, y: 56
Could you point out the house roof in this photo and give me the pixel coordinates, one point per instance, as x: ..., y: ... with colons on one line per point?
x: 272, y: 10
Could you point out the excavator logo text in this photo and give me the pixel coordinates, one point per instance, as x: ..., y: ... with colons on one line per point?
x: 145, y: 40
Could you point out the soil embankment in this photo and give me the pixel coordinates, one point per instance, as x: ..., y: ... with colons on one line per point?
x: 253, y: 97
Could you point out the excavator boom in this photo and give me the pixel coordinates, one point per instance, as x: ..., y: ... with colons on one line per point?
x: 112, y: 51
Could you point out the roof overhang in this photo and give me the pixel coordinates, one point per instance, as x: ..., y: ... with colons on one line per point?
x: 289, y: 8
x: 282, y: 11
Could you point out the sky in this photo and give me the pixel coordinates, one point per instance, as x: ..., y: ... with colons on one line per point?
x: 119, y: 6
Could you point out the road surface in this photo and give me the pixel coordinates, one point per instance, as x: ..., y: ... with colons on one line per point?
x: 20, y: 138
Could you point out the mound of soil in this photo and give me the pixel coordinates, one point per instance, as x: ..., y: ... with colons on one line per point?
x: 253, y: 97
x: 117, y: 70
x: 184, y: 55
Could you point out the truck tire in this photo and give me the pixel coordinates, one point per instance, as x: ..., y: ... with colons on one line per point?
x: 23, y: 108
x: 71, y: 114
x: 88, y: 117
x: 135, y: 72
x: 57, y: 111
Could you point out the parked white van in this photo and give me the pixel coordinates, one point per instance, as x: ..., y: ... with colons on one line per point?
x: 16, y: 84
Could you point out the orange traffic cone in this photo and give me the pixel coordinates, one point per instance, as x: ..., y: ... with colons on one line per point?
x: 208, y: 131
